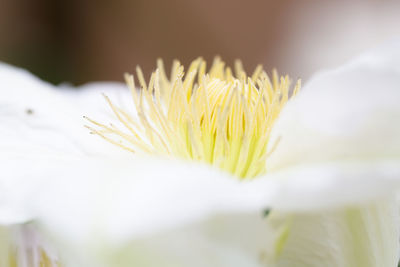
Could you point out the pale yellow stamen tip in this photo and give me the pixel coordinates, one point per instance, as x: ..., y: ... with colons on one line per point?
x: 215, y: 117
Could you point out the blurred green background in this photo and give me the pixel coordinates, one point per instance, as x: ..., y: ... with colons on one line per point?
x: 82, y: 40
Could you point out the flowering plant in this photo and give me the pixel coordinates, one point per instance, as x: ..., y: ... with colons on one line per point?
x: 325, y: 165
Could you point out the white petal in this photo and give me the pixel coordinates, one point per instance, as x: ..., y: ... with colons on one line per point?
x: 37, y: 113
x: 24, y: 170
x: 340, y: 135
x: 386, y: 56
x: 365, y: 236
x: 224, y: 240
x: 133, y: 197
x: 88, y: 99
x: 82, y: 202
x: 320, y: 186
x: 41, y: 124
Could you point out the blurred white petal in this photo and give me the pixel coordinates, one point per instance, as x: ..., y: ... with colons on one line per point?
x: 386, y: 56
x: 366, y: 235
x: 162, y: 210
x: 221, y: 240
x: 340, y: 136
x: 136, y: 197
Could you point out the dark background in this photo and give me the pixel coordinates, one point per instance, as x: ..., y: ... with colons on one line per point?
x: 83, y: 40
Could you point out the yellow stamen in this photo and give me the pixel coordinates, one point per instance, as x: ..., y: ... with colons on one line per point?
x: 215, y: 117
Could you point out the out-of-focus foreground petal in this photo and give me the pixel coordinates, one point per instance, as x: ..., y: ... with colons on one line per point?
x: 94, y: 205
x: 366, y: 235
x: 221, y: 240
x: 338, y: 140
x: 136, y: 197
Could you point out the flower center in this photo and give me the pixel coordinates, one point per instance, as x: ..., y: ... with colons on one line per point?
x: 215, y: 117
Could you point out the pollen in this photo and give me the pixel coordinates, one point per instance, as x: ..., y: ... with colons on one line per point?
x: 221, y: 117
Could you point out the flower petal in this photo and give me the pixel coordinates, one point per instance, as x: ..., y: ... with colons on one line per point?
x: 134, y: 196
x: 354, y: 236
x: 224, y: 240
x: 340, y: 135
x: 142, y: 200
x: 35, y: 112
x: 41, y: 125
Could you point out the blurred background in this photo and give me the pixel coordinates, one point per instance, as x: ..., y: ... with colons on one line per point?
x: 83, y: 40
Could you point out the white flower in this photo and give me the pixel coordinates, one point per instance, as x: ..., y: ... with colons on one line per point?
x: 331, y: 179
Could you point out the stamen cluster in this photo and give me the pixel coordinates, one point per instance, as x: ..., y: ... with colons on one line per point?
x: 217, y: 117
